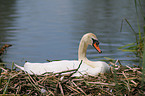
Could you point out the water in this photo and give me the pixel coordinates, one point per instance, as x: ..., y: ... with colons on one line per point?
x: 52, y: 29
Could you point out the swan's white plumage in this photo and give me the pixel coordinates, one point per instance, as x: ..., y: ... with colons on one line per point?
x: 64, y: 65
x: 87, y: 67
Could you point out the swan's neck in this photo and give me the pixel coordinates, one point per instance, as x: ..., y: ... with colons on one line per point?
x: 82, y: 53
x: 82, y: 50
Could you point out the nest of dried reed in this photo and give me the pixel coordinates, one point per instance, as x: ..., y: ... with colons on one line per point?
x: 122, y: 80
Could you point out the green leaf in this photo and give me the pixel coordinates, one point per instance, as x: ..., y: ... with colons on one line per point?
x: 127, y: 50
x: 126, y: 45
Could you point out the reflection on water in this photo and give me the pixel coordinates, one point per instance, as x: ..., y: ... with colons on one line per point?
x: 6, y: 20
x: 7, y: 28
x: 53, y: 30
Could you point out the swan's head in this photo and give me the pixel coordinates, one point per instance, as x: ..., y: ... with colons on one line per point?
x: 91, y: 39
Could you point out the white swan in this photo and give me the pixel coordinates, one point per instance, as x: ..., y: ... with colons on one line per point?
x: 87, y: 67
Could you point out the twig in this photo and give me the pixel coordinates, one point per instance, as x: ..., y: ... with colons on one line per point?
x: 30, y: 78
x: 50, y: 92
x: 4, y: 69
x: 134, y: 83
x: 72, y: 73
x: 72, y: 89
x: 65, y: 71
x: 6, y: 87
x: 127, y: 80
x: 60, y: 87
x: 111, y: 94
x: 16, y: 74
x: 75, y: 70
x: 80, y: 89
x: 107, y: 84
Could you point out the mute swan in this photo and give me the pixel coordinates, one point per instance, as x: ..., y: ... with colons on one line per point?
x: 87, y: 67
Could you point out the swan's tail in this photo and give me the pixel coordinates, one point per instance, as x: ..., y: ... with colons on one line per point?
x: 22, y: 68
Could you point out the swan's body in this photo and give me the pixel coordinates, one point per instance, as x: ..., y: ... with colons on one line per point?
x: 87, y: 67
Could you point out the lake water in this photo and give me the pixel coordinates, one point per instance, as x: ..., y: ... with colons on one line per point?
x: 51, y: 29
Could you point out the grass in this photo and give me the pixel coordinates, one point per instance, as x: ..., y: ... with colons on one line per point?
x: 139, y: 46
x: 122, y: 80
x: 136, y: 47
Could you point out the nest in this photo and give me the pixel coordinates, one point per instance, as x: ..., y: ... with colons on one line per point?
x: 122, y: 80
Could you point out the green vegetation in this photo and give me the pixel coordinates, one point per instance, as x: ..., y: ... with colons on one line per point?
x: 136, y: 47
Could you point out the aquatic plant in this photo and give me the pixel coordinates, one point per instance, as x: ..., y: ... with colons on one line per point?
x: 136, y: 47
x: 139, y: 46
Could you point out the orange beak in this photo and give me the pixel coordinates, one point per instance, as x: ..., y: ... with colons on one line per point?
x: 97, y: 47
